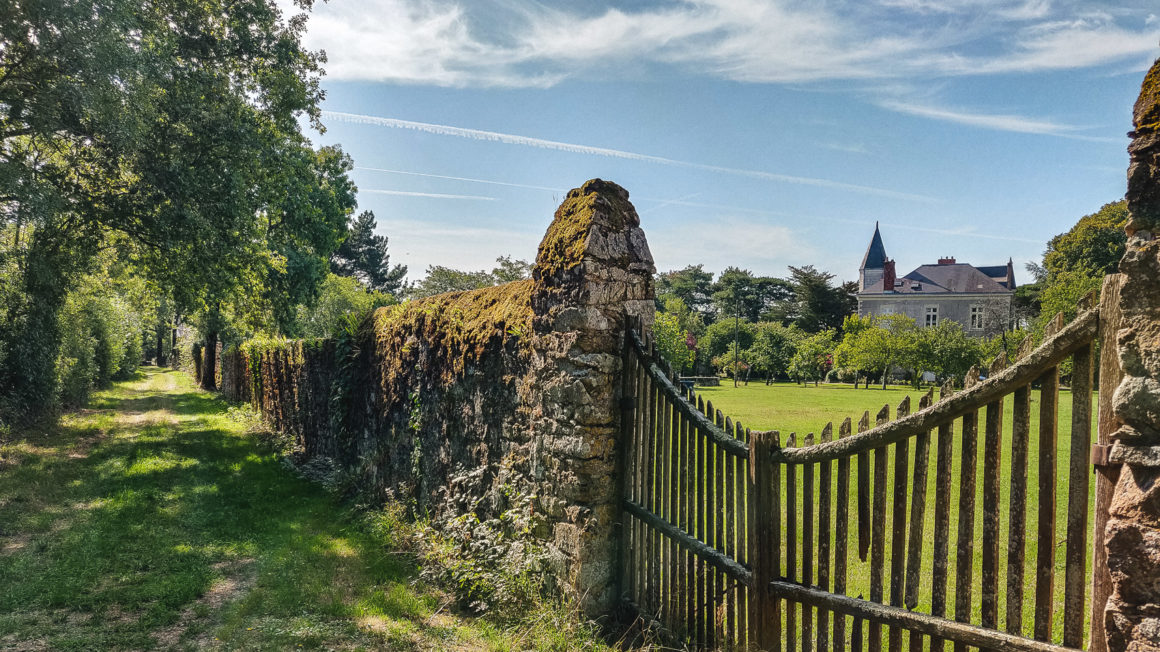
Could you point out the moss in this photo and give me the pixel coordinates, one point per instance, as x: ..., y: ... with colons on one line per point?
x: 563, y: 245
x: 1147, y: 110
x: 459, y: 326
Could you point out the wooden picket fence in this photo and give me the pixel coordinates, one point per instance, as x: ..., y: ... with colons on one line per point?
x: 736, y: 539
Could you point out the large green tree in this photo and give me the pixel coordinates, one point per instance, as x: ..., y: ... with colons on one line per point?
x: 174, y: 123
x: 1094, y: 245
x: 693, y: 285
x: 819, y: 303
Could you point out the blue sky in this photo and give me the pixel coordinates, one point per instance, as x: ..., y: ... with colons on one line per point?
x: 757, y: 133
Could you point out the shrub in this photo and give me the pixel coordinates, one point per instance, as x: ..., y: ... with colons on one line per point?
x: 76, y: 362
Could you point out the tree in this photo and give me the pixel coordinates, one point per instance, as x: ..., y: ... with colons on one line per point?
x: 772, y: 350
x: 1094, y: 245
x: 442, y: 279
x: 819, y: 305
x: 304, y: 227
x: 1064, y: 293
x: 510, y: 269
x: 172, y: 125
x: 338, y: 298
x: 671, y: 341
x: 846, y: 353
x: 719, y: 337
x: 890, y: 342
x: 737, y: 293
x: 945, y: 350
x: 813, y: 357
x: 1074, y: 260
x: 693, y: 285
x: 363, y: 255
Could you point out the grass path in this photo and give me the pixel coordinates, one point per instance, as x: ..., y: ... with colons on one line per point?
x: 151, y: 520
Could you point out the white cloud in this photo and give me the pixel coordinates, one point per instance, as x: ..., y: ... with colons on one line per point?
x: 512, y: 139
x: 993, y: 121
x: 984, y: 120
x: 520, y: 43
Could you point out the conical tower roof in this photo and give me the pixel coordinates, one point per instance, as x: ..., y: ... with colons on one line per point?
x: 875, y: 257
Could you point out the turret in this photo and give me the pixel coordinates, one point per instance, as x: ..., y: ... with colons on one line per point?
x: 871, y: 272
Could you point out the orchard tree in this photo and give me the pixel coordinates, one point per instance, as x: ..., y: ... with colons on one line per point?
x: 945, y: 350
x: 672, y: 341
x: 813, y: 357
x: 773, y: 349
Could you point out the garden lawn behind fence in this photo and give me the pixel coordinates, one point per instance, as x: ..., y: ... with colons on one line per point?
x: 153, y: 519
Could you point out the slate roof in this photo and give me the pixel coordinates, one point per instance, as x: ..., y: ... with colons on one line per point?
x: 875, y: 257
x: 959, y: 278
x: 994, y: 271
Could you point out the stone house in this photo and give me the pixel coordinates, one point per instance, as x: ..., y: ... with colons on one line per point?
x: 980, y: 299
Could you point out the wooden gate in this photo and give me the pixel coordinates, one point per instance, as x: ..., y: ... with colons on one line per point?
x: 908, y: 534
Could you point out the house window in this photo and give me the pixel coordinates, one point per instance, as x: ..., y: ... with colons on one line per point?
x: 976, y: 317
x: 931, y: 315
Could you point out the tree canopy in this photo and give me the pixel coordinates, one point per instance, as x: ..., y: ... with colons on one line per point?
x: 442, y: 279
x: 170, y: 132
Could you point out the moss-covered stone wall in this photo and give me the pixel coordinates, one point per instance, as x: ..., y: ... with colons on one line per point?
x: 495, y: 408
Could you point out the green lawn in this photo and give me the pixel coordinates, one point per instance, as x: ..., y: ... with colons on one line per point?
x: 153, y: 520
x: 804, y: 409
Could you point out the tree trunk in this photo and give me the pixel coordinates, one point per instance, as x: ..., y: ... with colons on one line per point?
x: 209, y: 362
x: 160, y: 359
x: 174, y: 356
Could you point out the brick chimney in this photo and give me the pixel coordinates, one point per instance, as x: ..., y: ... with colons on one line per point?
x: 946, y: 261
x: 888, y: 276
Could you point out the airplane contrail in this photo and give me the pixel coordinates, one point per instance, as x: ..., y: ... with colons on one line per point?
x: 434, y: 195
x: 450, y: 178
x: 512, y: 139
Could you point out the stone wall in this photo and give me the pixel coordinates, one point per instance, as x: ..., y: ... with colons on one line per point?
x: 498, y: 405
x: 1132, y: 533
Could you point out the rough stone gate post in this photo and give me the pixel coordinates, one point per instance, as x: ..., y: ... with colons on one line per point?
x: 593, y: 275
x: 1131, y: 537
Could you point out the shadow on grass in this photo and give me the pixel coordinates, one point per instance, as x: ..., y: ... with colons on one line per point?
x: 122, y: 536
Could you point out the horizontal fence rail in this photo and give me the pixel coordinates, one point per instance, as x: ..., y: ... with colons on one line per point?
x: 937, y: 529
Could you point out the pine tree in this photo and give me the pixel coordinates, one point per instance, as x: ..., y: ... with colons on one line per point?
x: 363, y: 255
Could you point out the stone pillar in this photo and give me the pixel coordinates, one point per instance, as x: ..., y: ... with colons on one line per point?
x: 593, y: 273
x: 1132, y: 534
